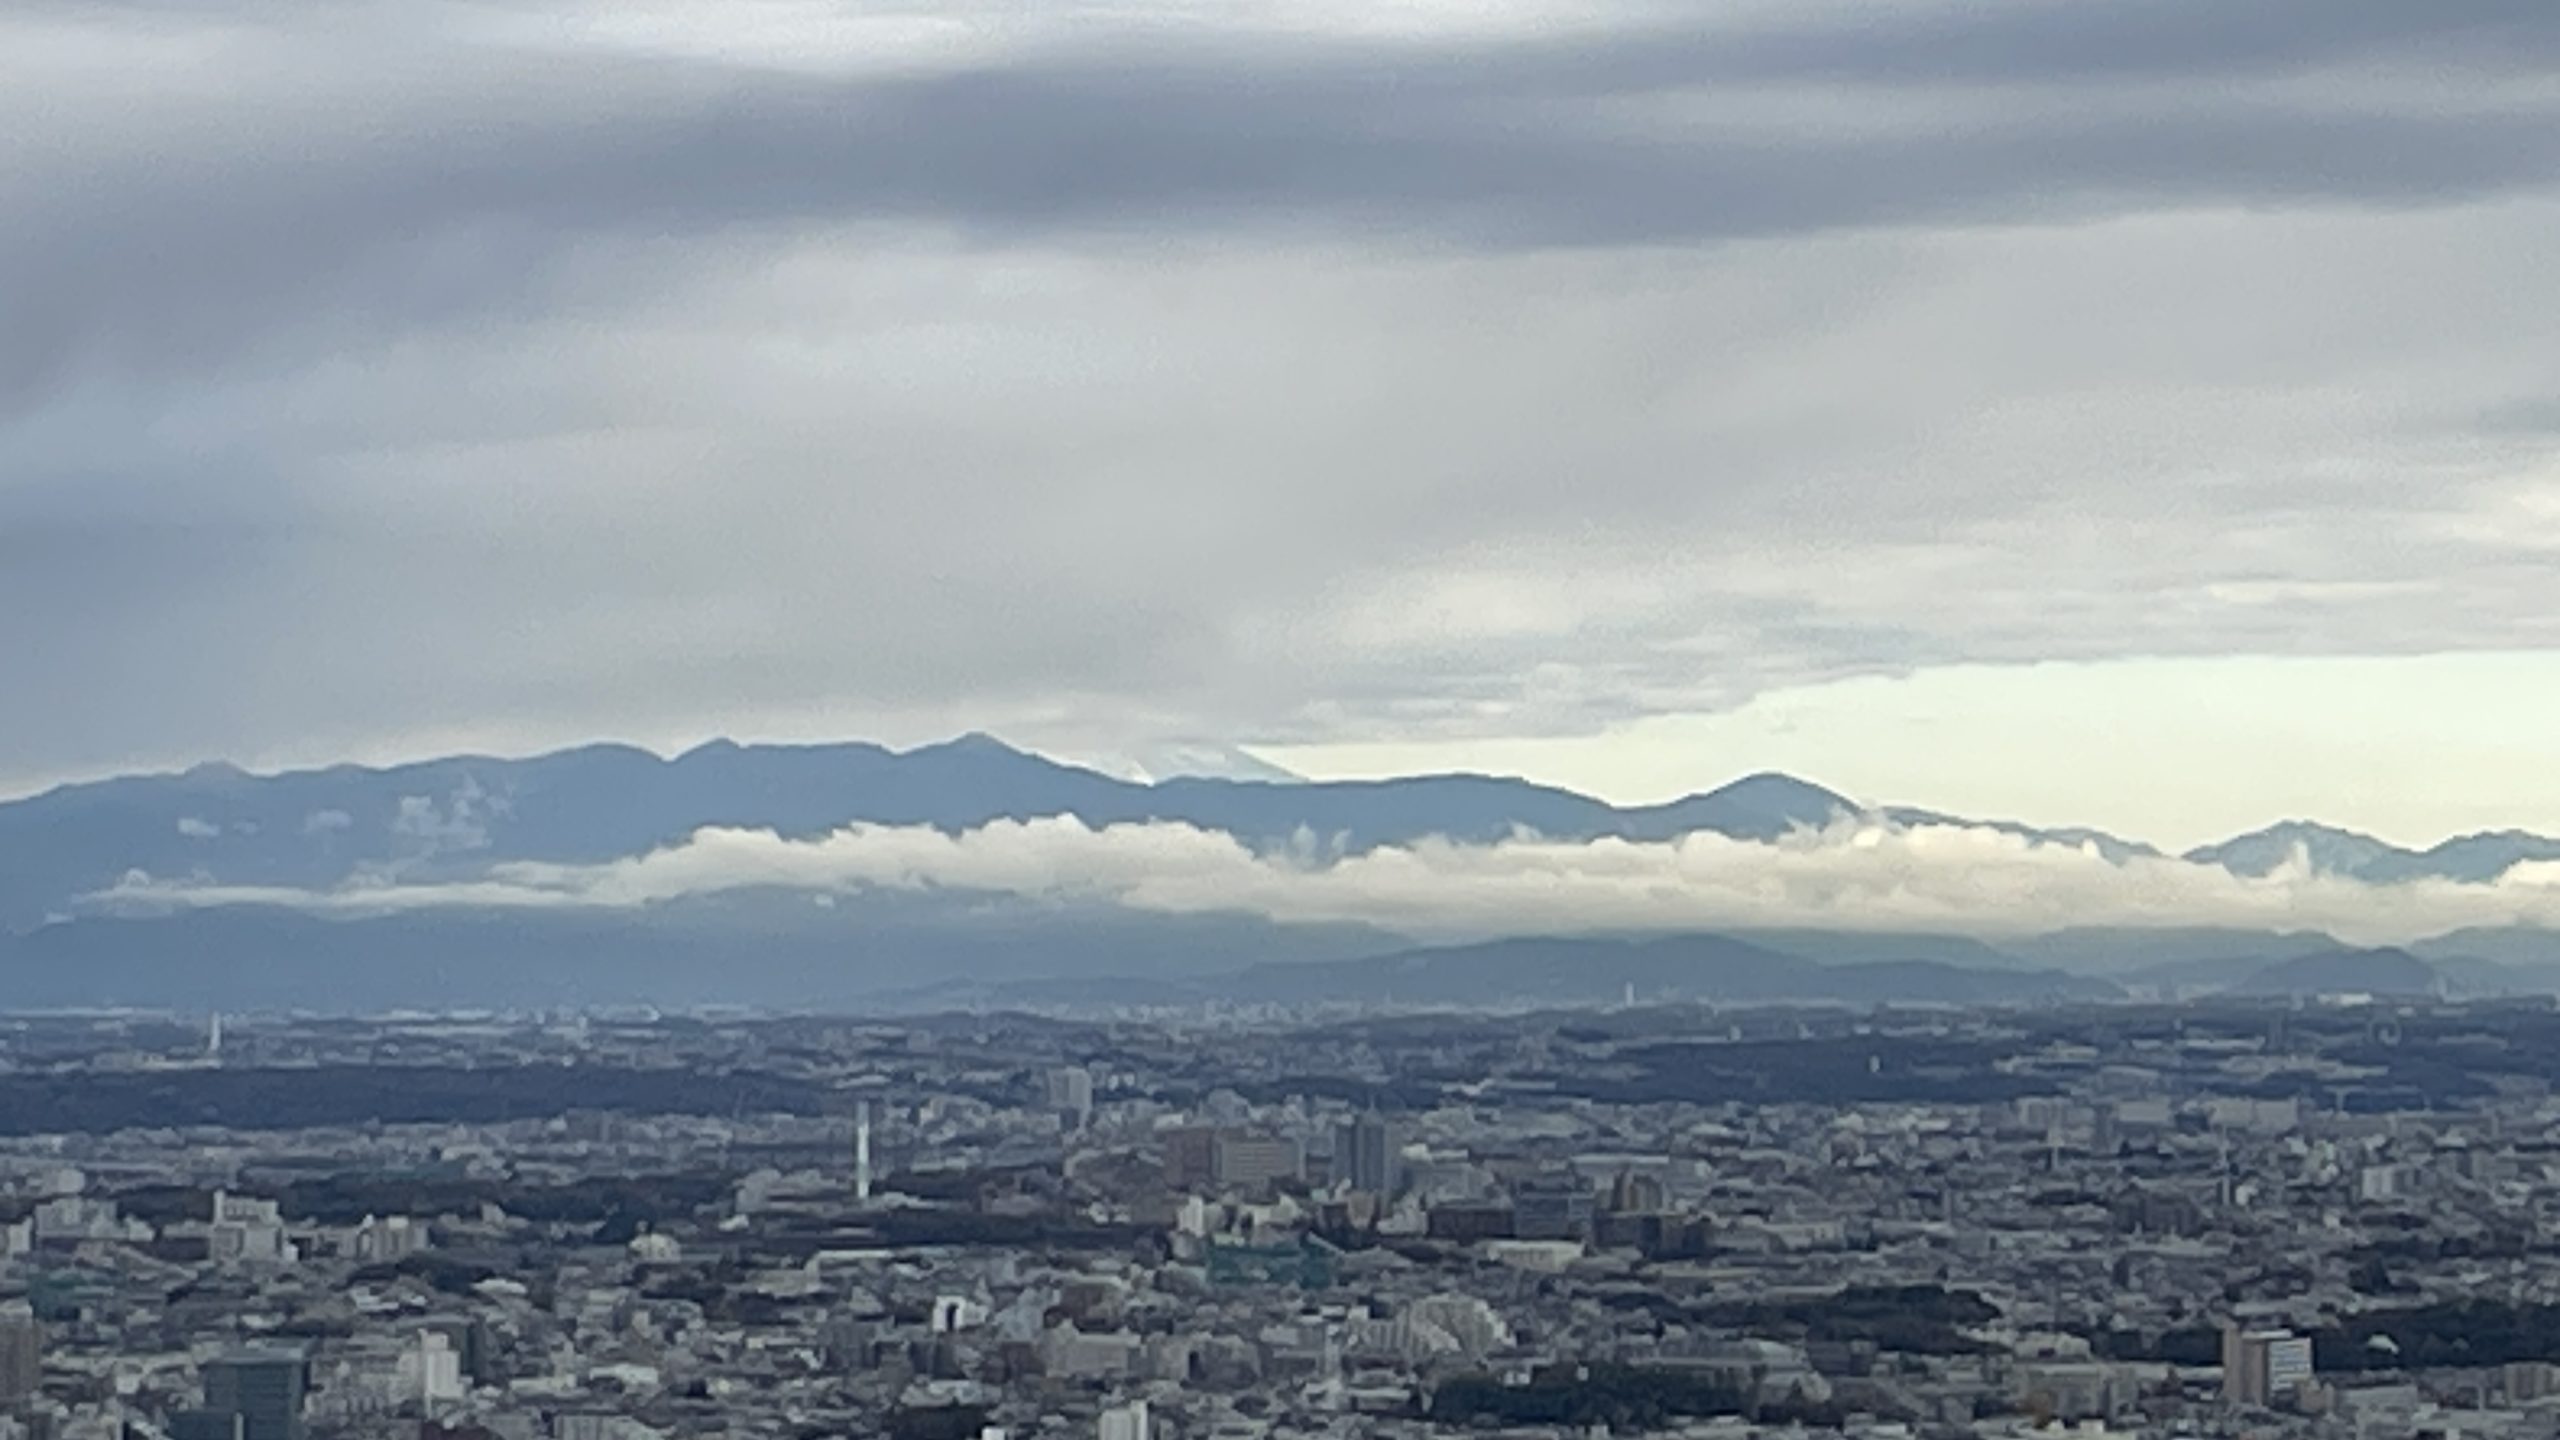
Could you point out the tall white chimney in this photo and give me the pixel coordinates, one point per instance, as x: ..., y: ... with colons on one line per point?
x: 862, y: 1150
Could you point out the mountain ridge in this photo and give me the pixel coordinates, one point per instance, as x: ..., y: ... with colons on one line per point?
x: 319, y: 826
x: 460, y: 817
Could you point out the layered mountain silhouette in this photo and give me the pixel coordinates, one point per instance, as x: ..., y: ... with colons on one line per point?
x: 319, y: 828
x: 2327, y: 850
x: 456, y: 818
x: 2364, y: 972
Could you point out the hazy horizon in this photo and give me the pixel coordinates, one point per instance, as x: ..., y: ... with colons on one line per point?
x: 1620, y: 769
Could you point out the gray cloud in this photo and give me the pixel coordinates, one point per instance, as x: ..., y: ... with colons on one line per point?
x: 405, y: 172
x: 379, y: 378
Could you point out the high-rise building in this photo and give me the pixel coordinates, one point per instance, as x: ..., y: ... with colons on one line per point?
x: 83, y: 1217
x: 2260, y: 1365
x: 1250, y: 1162
x: 262, y: 1389
x: 1070, y: 1090
x: 1190, y: 1156
x: 1367, y: 1155
x: 246, y: 1230
x: 2289, y: 1364
x: 203, y: 1425
x: 384, y: 1240
x: 1632, y: 1193
x: 430, y: 1370
x: 2528, y: 1380
x: 1123, y: 1422
x: 21, y: 1353
x: 469, y: 1340
x: 1552, y: 1208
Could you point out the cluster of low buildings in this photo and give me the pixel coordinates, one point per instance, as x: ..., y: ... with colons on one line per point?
x: 1157, y: 1230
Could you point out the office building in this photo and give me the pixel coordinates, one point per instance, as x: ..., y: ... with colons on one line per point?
x: 1366, y: 1152
x: 1467, y: 1223
x: 1247, y: 1162
x: 430, y: 1370
x: 2289, y: 1365
x: 1557, y: 1208
x: 1123, y: 1422
x: 21, y: 1354
x: 1190, y: 1157
x: 2262, y: 1366
x: 262, y: 1389
x: 203, y: 1425
x: 72, y: 1218
x: 245, y: 1230
x: 469, y: 1340
x: 1632, y: 1193
x: 1070, y: 1089
x: 384, y: 1241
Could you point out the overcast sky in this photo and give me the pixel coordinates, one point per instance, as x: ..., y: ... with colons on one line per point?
x: 2142, y: 414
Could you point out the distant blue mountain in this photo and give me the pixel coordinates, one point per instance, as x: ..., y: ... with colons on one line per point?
x: 1716, y: 969
x: 2205, y: 949
x: 2361, y: 972
x: 2515, y: 945
x: 1756, y: 807
x: 1542, y: 971
x: 762, y: 950
x: 2472, y: 859
x: 2111, y: 848
x: 455, y: 817
x: 2325, y: 848
x: 319, y: 828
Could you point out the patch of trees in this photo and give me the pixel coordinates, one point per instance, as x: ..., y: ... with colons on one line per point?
x: 2453, y: 1334
x: 98, y: 1101
x: 651, y: 1199
x: 937, y: 1422
x: 1412, y: 1090
x: 2423, y: 1249
x: 2457, y: 1334
x: 1622, y: 1397
x: 620, y: 1205
x: 2189, y: 1345
x: 1845, y: 1070
x: 701, y: 1287
x: 965, y: 1227
x: 442, y: 1273
x: 2370, y: 1276
x: 1917, y: 1319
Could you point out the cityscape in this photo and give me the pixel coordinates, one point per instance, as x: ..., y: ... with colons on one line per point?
x: 2279, y: 1218
x: 1279, y: 720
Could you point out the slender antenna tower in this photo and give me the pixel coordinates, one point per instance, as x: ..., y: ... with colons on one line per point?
x: 862, y: 1150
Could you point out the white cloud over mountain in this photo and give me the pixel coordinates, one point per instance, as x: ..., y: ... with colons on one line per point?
x: 1854, y: 876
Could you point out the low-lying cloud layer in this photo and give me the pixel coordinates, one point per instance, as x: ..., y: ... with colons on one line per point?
x: 1855, y: 876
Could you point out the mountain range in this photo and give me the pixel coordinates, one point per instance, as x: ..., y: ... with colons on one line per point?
x: 462, y: 818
